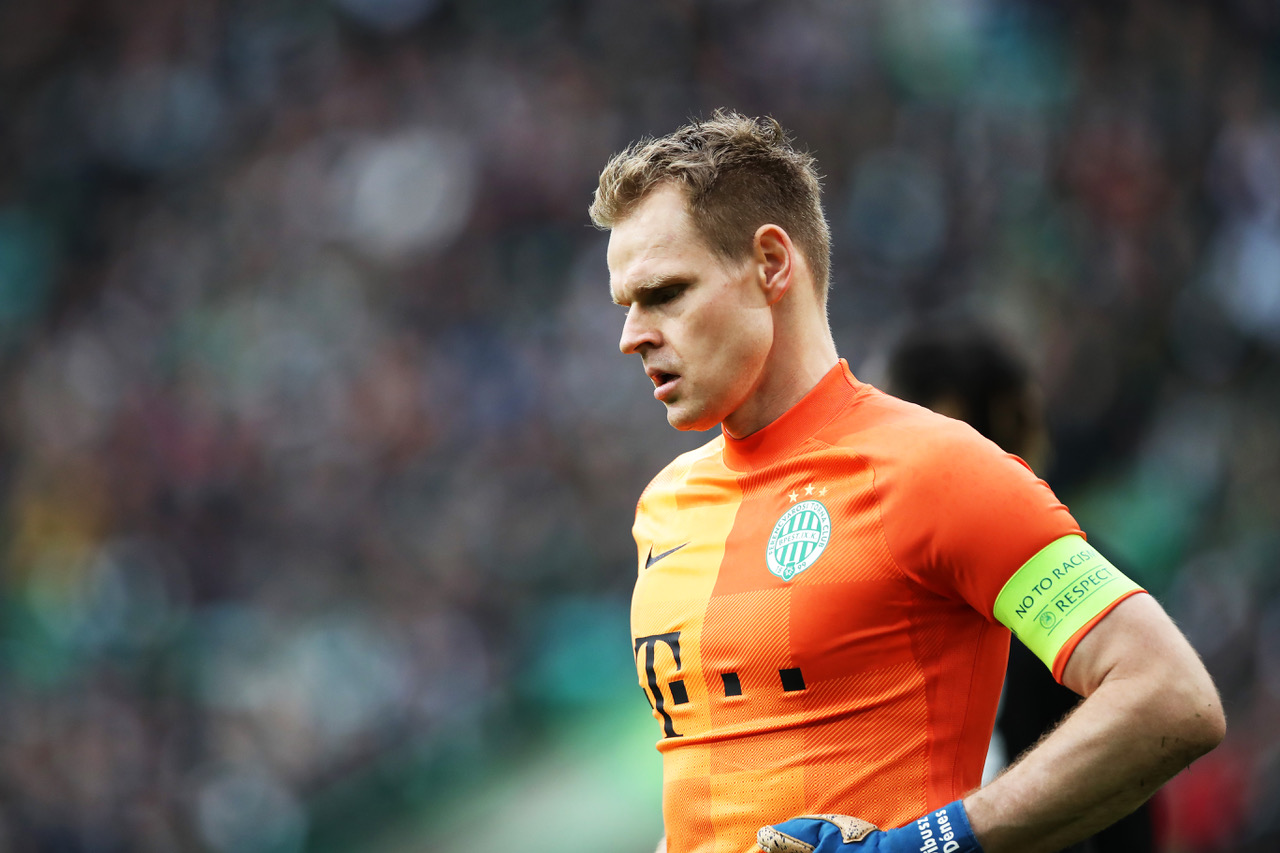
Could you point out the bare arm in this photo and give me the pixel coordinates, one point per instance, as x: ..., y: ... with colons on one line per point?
x: 1150, y: 710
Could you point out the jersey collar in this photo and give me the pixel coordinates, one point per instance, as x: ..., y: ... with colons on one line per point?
x: 833, y: 392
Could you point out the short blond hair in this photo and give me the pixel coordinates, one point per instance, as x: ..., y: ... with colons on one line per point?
x: 738, y: 173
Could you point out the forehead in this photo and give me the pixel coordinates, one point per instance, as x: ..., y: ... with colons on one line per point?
x: 658, y: 238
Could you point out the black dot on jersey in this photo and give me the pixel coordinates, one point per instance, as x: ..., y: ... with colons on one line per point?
x: 792, y: 679
x: 732, y: 686
x: 678, y: 694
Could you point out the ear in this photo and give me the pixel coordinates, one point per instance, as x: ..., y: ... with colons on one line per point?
x: 775, y: 258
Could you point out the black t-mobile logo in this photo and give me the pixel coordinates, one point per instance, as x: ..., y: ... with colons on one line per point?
x: 790, y: 678
x: 679, y: 695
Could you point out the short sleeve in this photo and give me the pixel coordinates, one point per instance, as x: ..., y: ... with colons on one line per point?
x: 960, y: 515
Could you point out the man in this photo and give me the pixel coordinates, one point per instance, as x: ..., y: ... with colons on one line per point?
x: 821, y: 615
x: 964, y: 370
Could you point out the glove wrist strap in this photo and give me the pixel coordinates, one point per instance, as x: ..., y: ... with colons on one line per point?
x: 944, y: 830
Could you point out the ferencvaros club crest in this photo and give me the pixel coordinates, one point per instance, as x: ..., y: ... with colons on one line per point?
x: 798, y: 539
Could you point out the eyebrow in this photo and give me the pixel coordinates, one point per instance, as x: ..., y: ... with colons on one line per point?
x: 654, y: 283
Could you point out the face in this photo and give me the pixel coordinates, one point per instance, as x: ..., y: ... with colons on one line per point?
x: 700, y: 324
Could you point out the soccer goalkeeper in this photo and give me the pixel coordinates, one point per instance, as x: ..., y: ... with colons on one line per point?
x: 825, y: 590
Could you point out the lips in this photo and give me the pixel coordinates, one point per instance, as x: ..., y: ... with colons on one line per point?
x: 664, y: 383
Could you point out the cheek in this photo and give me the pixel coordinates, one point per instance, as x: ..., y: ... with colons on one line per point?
x: 724, y: 344
x: 742, y: 351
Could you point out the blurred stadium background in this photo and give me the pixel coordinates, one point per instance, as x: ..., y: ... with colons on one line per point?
x: 317, y: 458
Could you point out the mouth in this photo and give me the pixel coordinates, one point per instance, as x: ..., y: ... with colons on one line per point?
x: 663, y: 383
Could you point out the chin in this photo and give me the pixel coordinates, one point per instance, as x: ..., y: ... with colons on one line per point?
x: 690, y: 421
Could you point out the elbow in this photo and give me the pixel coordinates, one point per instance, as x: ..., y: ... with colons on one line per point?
x: 1210, y: 725
x: 1202, y: 723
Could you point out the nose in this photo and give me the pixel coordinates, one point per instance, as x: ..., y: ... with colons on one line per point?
x: 638, y: 332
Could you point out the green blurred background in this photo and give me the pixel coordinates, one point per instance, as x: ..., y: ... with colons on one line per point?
x: 318, y: 459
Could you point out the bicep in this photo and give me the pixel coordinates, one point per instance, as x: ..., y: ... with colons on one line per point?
x: 1137, y: 637
x: 1139, y: 672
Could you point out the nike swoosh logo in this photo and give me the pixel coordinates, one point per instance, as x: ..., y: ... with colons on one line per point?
x: 653, y: 558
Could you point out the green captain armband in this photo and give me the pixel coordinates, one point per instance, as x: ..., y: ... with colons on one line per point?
x: 1056, y: 593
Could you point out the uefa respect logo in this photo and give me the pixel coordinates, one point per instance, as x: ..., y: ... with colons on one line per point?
x: 798, y: 539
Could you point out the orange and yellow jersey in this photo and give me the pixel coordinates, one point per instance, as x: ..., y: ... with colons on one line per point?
x: 812, y: 621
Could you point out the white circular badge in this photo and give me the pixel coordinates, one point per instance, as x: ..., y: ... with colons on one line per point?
x: 798, y: 539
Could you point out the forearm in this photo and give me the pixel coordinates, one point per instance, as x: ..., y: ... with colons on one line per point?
x: 1109, y: 756
x: 1135, y: 731
x: 1151, y: 710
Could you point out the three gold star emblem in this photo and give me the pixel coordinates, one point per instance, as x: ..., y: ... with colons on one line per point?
x: 794, y: 494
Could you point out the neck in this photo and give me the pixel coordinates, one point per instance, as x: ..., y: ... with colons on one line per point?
x: 802, y: 354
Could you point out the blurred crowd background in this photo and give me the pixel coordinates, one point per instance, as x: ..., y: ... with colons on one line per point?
x: 317, y: 455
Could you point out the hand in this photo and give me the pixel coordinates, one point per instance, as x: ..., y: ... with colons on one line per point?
x: 945, y: 830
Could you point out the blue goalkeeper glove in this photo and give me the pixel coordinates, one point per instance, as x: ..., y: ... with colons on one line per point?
x: 945, y: 830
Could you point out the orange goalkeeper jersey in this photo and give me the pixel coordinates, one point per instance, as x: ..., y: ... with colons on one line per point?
x: 812, y: 620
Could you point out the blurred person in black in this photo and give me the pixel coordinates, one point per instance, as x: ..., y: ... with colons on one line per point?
x: 969, y: 372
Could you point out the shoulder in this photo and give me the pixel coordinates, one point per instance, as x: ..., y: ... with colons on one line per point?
x: 906, y: 440
x: 942, y: 487
x: 676, y: 473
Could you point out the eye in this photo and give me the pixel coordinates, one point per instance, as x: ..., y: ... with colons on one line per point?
x: 668, y: 293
